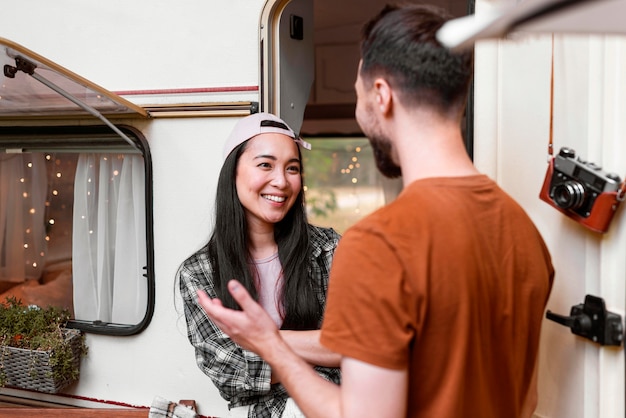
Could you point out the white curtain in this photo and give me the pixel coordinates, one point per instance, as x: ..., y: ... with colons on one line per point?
x: 109, y: 239
x: 23, y: 189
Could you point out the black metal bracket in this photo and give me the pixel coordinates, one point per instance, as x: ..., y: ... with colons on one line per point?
x: 21, y: 64
x: 591, y: 320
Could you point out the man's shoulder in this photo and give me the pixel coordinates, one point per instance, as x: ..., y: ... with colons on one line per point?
x: 382, y: 222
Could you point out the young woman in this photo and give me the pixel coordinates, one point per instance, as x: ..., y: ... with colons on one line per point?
x: 262, y: 238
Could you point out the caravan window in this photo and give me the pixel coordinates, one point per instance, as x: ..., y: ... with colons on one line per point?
x: 76, y: 224
x: 342, y: 183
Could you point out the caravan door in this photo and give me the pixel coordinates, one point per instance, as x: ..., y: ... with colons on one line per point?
x: 542, y: 86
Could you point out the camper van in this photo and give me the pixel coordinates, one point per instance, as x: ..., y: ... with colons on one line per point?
x: 113, y: 116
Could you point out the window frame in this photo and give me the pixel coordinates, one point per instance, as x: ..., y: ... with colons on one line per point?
x: 100, y: 138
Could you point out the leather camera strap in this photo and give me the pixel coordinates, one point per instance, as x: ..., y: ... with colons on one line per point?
x: 551, y: 138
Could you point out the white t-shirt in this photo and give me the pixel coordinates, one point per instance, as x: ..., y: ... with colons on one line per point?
x: 270, y: 273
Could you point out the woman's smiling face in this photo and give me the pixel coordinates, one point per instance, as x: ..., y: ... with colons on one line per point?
x: 268, y: 178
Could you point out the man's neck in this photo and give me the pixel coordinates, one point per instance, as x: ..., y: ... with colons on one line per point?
x: 428, y: 147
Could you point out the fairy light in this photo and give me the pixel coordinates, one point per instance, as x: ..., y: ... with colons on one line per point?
x: 32, y: 254
x: 351, y: 169
x: 55, y: 208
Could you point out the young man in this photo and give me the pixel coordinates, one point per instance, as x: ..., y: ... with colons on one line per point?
x: 436, y: 300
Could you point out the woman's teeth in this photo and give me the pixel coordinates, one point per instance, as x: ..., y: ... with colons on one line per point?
x: 278, y: 199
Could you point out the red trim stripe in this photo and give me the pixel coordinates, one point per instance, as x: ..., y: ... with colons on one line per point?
x: 187, y: 91
x: 94, y: 400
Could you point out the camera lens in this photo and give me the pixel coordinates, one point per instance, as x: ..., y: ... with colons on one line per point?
x: 569, y: 195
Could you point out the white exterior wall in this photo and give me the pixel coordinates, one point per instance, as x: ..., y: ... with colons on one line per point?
x: 577, y: 378
x: 142, y: 44
x: 153, y: 45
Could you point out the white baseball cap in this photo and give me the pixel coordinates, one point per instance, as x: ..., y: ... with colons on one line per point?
x: 256, y: 124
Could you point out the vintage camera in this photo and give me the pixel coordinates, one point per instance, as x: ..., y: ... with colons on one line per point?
x: 581, y: 190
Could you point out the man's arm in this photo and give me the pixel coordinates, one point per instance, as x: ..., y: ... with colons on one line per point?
x: 366, y: 390
x: 307, y: 346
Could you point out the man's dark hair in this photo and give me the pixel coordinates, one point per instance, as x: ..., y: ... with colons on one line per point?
x: 399, y: 44
x: 229, y: 254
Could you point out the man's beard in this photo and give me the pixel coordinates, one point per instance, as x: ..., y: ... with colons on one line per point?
x: 381, y: 145
x: 382, y: 153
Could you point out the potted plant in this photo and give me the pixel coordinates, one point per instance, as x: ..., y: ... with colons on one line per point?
x: 37, y: 351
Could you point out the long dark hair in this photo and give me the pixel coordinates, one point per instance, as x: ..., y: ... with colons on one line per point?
x: 229, y: 254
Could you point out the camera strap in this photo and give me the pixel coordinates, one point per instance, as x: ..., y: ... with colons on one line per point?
x: 621, y: 193
x: 551, y: 137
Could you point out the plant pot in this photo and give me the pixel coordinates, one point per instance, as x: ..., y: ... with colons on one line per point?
x: 33, y: 369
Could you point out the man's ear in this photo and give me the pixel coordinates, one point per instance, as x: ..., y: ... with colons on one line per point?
x: 384, y: 98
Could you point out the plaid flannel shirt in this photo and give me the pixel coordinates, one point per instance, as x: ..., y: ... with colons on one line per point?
x: 241, y: 376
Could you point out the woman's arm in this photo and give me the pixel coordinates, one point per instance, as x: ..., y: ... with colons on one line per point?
x: 307, y: 345
x: 237, y: 373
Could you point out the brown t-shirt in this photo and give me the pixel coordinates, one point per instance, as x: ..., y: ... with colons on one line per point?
x: 449, y: 281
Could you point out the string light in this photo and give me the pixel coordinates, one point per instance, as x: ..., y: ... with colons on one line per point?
x: 36, y: 239
x: 346, y: 184
x: 353, y: 164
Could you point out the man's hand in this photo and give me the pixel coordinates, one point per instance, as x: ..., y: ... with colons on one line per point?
x: 367, y: 390
x: 252, y: 328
